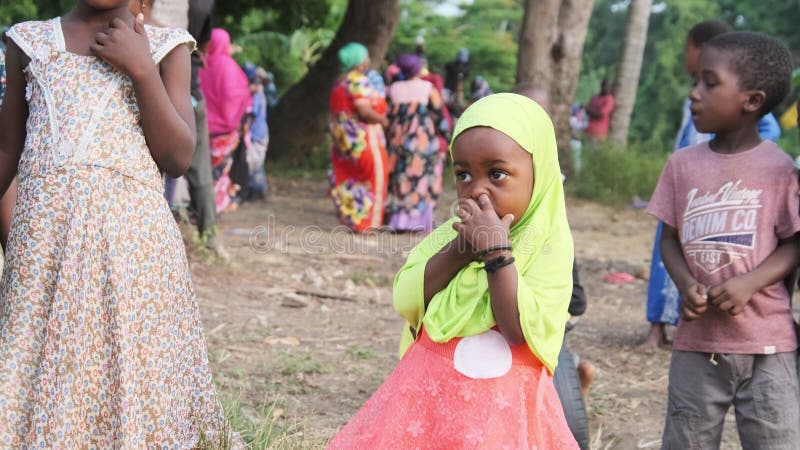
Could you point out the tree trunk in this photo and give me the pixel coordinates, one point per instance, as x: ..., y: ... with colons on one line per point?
x: 536, y: 39
x: 551, y: 43
x: 299, y: 122
x: 629, y: 69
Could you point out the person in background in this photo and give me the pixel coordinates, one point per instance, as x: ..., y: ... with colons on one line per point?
x: 445, y: 122
x: 271, y: 92
x: 377, y: 82
x: 258, y: 137
x: 480, y: 89
x: 768, y: 126
x: 456, y: 73
x: 358, y: 148
x: 599, y: 110
x: 227, y: 94
x: 415, y: 162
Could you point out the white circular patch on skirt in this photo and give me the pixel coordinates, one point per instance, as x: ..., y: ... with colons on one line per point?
x: 486, y: 355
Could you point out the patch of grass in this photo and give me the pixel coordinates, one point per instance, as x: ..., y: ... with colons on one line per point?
x: 264, y: 427
x: 218, y: 355
x: 295, y: 363
x: 614, y: 175
x: 359, y: 352
x: 370, y: 278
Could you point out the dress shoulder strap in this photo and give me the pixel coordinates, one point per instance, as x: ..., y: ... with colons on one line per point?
x: 165, y: 39
x: 37, y: 39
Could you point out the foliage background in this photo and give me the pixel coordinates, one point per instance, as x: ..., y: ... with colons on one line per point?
x: 287, y: 36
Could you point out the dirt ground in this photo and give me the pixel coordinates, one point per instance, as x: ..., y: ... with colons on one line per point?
x: 300, y: 325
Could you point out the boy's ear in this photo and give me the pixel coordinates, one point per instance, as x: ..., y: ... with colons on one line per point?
x: 754, y: 100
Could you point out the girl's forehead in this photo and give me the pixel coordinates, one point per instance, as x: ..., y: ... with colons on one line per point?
x: 485, y: 145
x: 487, y: 140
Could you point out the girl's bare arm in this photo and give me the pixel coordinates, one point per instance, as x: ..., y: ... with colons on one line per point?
x: 13, y: 116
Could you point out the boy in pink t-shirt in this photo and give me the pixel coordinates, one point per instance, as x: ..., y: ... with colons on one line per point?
x: 730, y: 214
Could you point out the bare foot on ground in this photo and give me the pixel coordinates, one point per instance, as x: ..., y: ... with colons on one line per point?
x: 586, y: 372
x: 656, y: 339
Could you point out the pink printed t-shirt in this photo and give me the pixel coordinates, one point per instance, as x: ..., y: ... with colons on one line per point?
x: 730, y: 211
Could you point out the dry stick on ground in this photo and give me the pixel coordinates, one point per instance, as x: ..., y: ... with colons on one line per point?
x: 324, y: 295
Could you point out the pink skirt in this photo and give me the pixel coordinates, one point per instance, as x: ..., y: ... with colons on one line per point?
x: 468, y: 393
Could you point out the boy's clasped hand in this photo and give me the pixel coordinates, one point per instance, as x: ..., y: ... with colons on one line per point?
x: 731, y: 296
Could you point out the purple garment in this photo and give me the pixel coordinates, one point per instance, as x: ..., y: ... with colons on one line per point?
x: 402, y: 221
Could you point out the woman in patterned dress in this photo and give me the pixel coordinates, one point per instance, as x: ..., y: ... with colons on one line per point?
x: 415, y: 159
x: 358, y: 152
x: 101, y: 344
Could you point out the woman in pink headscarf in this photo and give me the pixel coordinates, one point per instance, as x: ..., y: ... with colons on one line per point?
x: 228, y: 98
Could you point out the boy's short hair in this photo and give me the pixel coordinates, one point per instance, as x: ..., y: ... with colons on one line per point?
x: 707, y: 30
x: 761, y: 62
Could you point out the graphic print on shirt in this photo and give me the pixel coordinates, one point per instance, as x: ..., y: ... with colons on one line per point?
x: 720, y: 226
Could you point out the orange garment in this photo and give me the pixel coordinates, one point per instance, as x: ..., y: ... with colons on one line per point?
x: 358, y: 155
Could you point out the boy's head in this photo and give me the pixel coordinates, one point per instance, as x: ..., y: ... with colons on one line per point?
x: 762, y: 63
x: 697, y: 37
x: 741, y: 76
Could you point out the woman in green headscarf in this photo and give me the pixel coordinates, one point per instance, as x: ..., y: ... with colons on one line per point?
x: 486, y: 295
x: 358, y: 150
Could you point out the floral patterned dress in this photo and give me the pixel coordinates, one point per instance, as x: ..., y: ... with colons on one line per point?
x: 415, y: 159
x: 358, y: 155
x: 101, y: 344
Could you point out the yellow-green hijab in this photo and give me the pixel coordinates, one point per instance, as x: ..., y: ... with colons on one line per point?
x: 542, y: 246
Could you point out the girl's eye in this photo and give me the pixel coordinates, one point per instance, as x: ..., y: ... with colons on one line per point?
x: 464, y: 177
x: 497, y: 175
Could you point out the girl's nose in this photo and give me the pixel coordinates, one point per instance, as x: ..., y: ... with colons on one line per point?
x: 477, y: 190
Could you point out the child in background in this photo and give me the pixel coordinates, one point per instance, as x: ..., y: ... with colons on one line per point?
x: 487, y: 295
x: 101, y: 344
x: 259, y: 134
x: 729, y: 209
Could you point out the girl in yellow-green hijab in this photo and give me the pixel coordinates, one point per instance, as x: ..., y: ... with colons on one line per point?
x: 486, y: 294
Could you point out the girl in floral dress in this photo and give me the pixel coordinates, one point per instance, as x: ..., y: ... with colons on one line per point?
x: 487, y: 295
x: 101, y: 344
x: 358, y: 151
